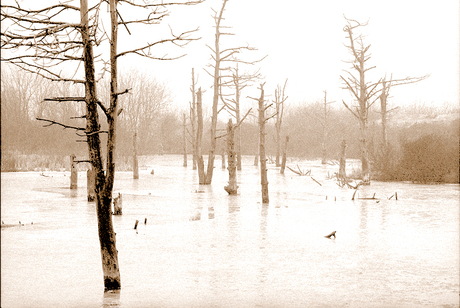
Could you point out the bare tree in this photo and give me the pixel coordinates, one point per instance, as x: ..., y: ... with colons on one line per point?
x: 280, y: 99
x: 237, y: 82
x: 366, y: 93
x: 193, y: 120
x: 51, y: 38
x: 383, y: 97
x: 362, y: 91
x: 222, y: 60
x: 263, y: 160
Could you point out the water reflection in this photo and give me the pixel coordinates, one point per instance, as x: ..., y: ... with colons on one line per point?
x: 111, y: 299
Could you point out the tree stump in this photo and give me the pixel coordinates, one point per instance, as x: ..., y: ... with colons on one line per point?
x: 117, y: 205
x: 73, y: 172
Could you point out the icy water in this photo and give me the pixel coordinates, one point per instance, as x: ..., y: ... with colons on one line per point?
x: 240, y: 253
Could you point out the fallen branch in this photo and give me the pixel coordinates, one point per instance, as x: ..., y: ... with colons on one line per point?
x: 316, y: 181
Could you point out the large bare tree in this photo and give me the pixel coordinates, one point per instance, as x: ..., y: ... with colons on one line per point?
x: 222, y: 59
x: 52, y: 41
x: 362, y: 91
x: 365, y: 93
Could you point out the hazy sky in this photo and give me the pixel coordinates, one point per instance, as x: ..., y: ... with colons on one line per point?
x: 304, y: 41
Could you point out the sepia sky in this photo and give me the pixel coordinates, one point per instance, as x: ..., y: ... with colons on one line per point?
x: 304, y: 41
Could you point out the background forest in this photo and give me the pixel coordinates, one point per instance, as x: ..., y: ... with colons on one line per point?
x: 423, y: 139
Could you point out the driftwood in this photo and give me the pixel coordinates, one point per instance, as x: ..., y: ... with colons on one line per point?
x: 332, y: 234
x: 299, y: 171
x: 316, y: 181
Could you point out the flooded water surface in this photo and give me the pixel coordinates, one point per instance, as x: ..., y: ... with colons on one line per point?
x: 201, y: 247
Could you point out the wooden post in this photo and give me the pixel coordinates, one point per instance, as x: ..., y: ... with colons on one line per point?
x: 232, y: 187
x: 263, y: 160
x: 135, y: 161
x: 73, y: 172
x: 135, y: 224
x: 90, y: 185
x: 283, y: 162
x: 117, y: 205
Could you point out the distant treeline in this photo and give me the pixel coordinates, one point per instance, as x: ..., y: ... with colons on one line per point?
x: 423, y: 139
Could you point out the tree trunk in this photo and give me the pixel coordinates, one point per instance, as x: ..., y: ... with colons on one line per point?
x: 364, y: 153
x: 342, y: 173
x: 73, y: 172
x: 90, y: 185
x: 232, y: 187
x: 199, y: 137
x: 283, y: 162
x: 135, y: 159
x: 263, y: 160
x: 104, y: 182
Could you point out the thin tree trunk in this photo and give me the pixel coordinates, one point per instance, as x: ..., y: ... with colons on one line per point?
x: 283, y: 161
x: 364, y: 152
x: 232, y: 187
x: 193, y: 119
x: 104, y: 183
x: 263, y: 160
x: 199, y: 137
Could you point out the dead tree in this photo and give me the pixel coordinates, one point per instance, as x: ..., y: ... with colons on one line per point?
x: 362, y: 91
x: 383, y: 97
x: 199, y: 138
x: 221, y: 57
x: 365, y: 93
x: 280, y: 99
x: 232, y: 187
x: 44, y: 41
x: 237, y: 82
x: 263, y: 160
x: 193, y: 120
